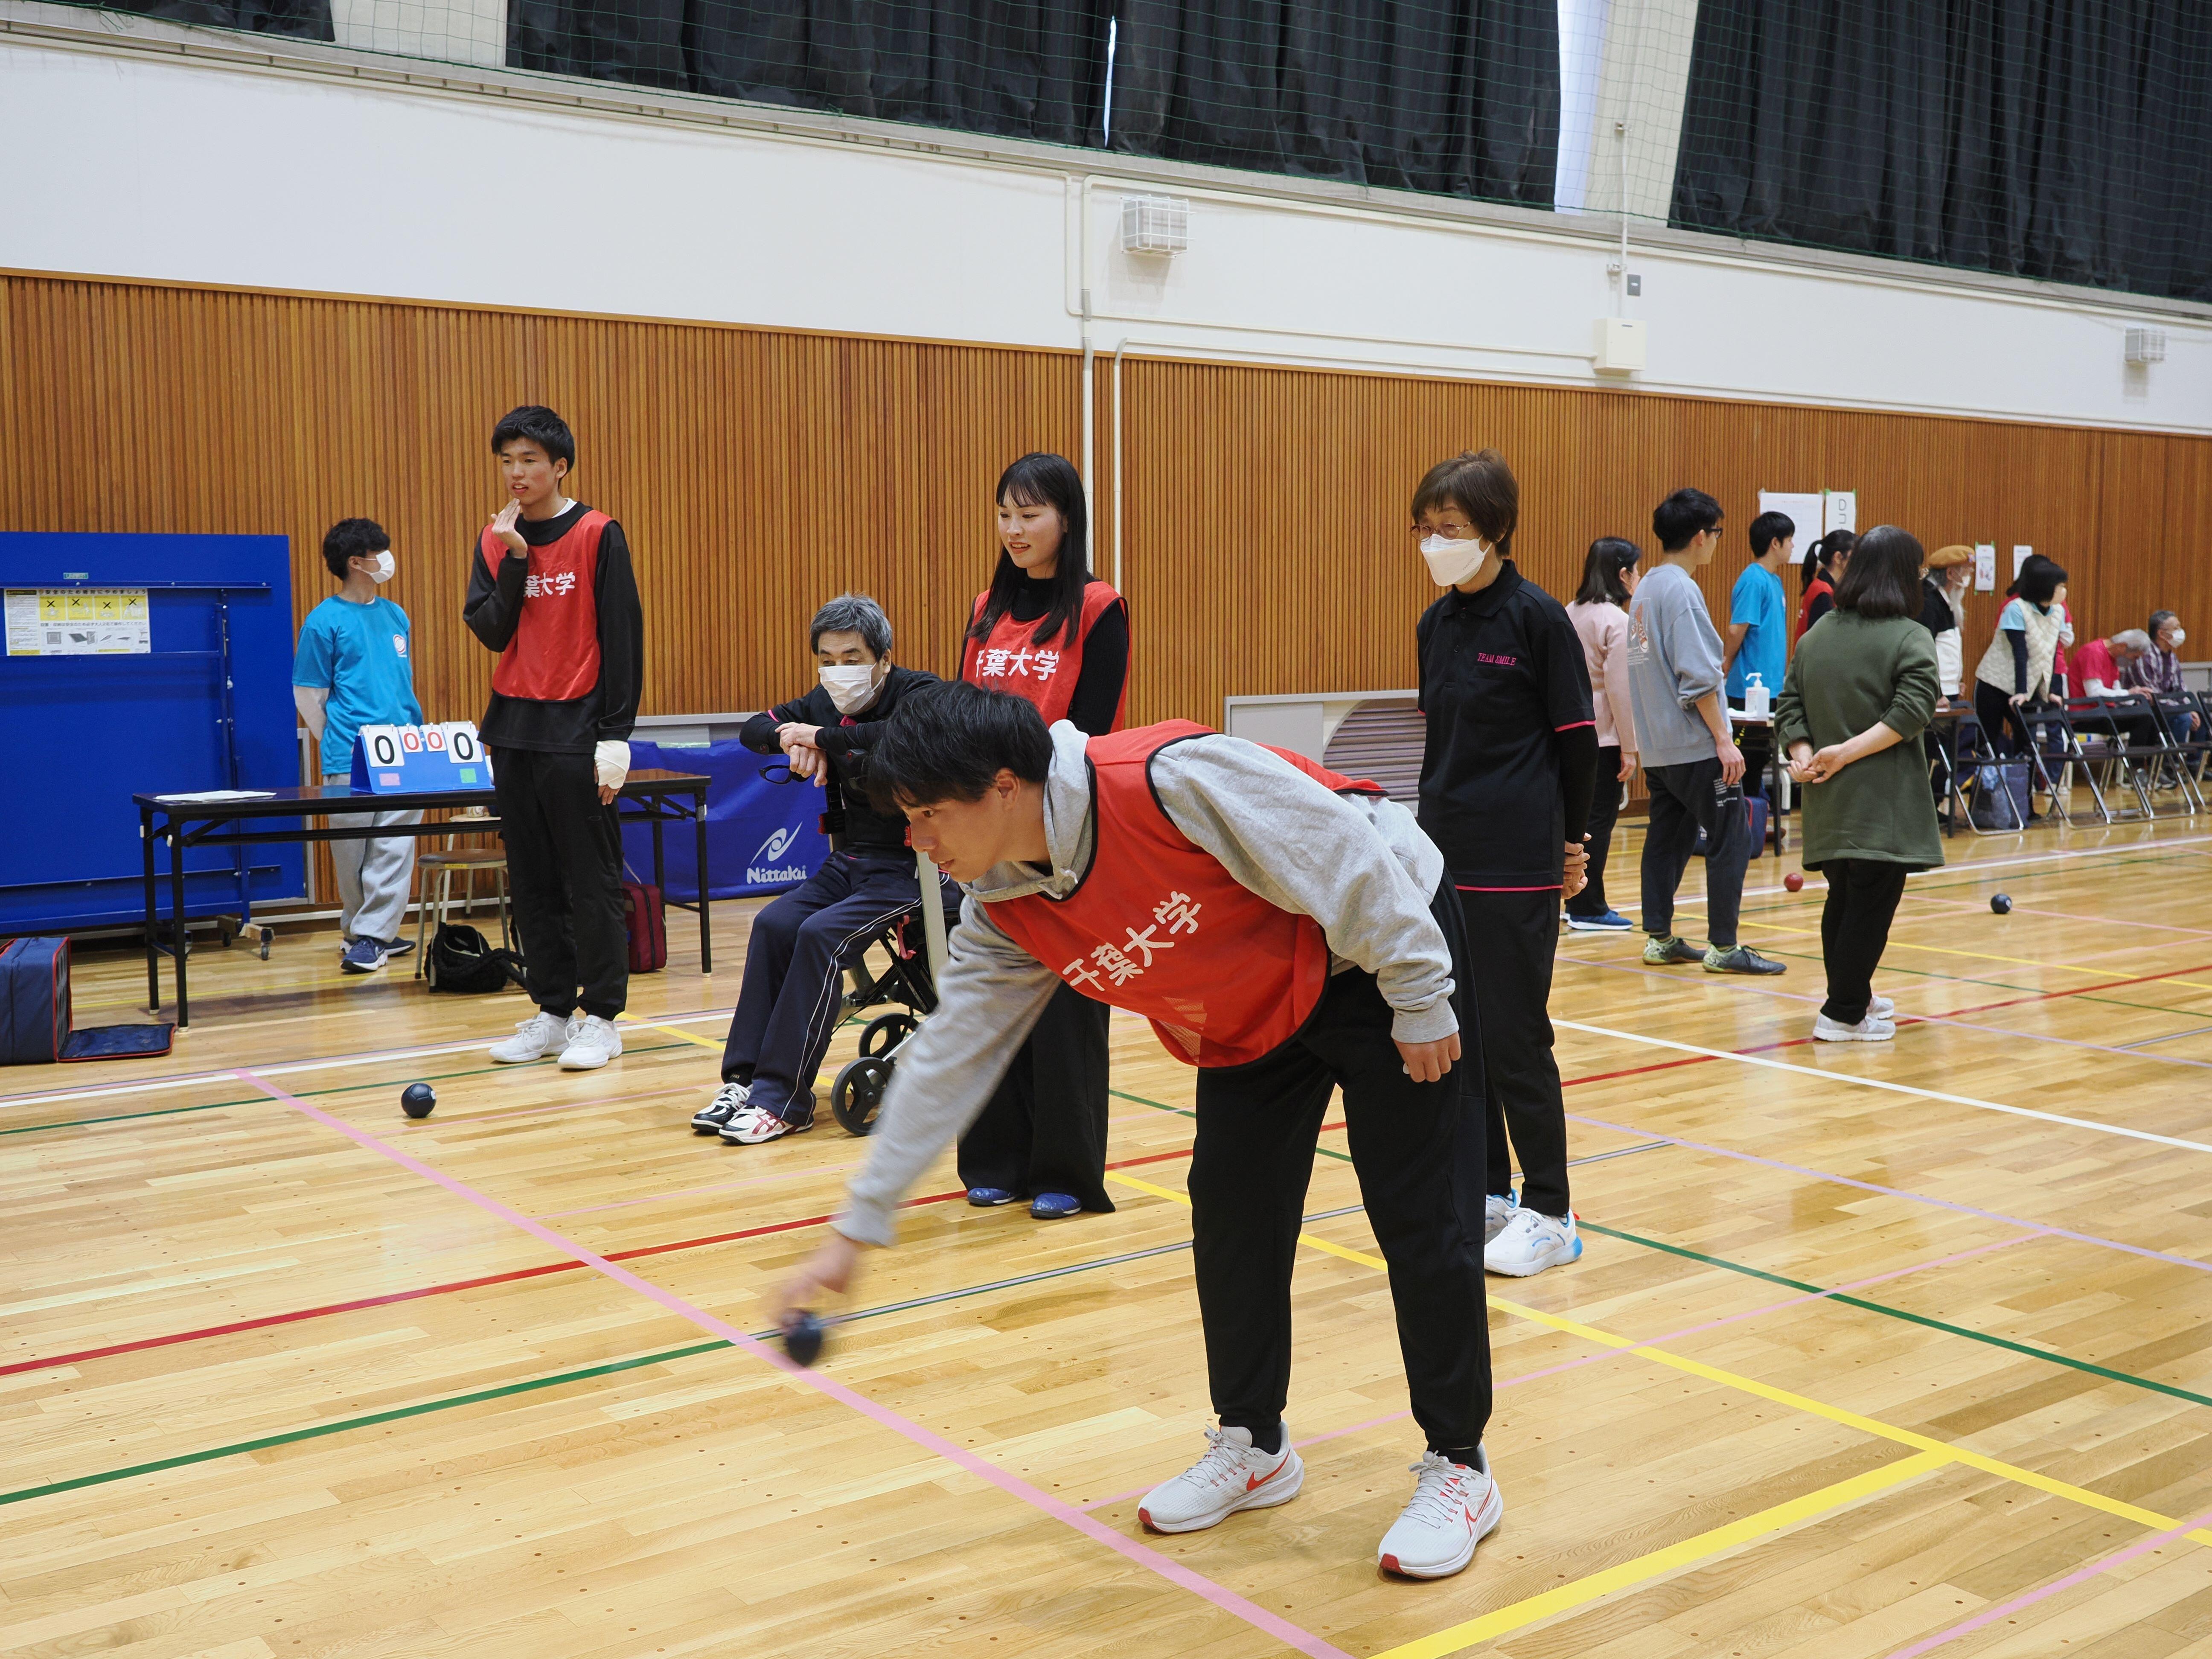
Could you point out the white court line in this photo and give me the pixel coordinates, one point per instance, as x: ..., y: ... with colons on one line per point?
x: 1891, y: 1088
x: 370, y: 1057
x: 1968, y: 865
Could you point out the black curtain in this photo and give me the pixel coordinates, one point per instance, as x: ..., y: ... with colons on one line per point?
x: 2060, y: 139
x: 640, y: 41
x: 1021, y: 68
x: 1459, y: 97
x: 303, y: 19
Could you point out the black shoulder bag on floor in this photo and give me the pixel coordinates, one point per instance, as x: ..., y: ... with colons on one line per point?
x: 462, y: 959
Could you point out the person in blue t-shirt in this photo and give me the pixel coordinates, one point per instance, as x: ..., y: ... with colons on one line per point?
x: 1759, y: 633
x: 354, y: 669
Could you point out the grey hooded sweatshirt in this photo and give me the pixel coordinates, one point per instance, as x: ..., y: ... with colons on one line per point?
x: 1358, y: 865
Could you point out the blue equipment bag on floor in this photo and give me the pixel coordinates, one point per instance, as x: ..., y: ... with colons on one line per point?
x: 2002, y: 796
x: 34, y: 1012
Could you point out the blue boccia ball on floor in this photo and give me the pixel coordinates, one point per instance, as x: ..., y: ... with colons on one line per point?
x: 802, y: 1338
x: 2002, y: 903
x: 417, y: 1099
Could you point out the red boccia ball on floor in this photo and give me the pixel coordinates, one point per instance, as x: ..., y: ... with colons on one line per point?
x: 1794, y: 882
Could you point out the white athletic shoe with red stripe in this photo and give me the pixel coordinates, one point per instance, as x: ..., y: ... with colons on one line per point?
x: 1233, y: 1475
x: 1454, y: 1509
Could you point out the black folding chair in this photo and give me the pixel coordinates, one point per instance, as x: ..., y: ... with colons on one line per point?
x: 2187, y: 753
x: 2122, y: 751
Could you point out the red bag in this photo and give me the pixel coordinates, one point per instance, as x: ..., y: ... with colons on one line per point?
x: 648, y: 936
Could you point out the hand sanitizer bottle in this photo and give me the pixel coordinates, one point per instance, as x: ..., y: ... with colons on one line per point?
x: 1755, y: 698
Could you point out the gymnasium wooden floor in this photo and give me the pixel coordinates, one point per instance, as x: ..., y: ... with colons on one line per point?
x: 1875, y: 1351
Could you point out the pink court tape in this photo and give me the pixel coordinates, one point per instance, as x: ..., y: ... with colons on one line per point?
x: 1228, y: 1600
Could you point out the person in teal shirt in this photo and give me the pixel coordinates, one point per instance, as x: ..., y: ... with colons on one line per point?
x: 1759, y: 633
x: 354, y: 668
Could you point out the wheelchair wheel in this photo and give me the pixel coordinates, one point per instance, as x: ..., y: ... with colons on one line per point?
x: 858, y: 1093
x: 886, y: 1032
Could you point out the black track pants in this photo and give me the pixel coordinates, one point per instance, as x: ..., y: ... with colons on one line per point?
x: 1512, y: 938
x: 564, y: 868
x: 1045, y: 1128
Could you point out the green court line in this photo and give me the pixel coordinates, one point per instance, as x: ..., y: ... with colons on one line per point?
x: 305, y: 1094
x: 1994, y: 984
x: 293, y: 1436
x: 1983, y: 1337
x: 1122, y: 1094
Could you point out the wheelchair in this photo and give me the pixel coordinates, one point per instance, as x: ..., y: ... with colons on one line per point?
x: 913, y: 943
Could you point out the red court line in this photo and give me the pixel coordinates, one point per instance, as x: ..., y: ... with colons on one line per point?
x: 448, y: 1288
x: 2081, y: 990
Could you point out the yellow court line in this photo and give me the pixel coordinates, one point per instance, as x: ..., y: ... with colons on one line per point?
x: 688, y: 1037
x: 1688, y: 1552
x: 1851, y: 1419
x: 1982, y: 956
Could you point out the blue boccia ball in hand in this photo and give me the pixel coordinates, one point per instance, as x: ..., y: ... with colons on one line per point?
x: 802, y: 1338
x: 417, y: 1099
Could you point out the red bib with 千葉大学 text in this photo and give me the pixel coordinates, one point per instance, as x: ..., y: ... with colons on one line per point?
x: 553, y: 656
x: 1009, y: 660
x: 1159, y: 927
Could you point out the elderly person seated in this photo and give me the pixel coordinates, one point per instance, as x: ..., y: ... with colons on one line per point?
x: 2099, y: 667
x: 2158, y: 670
x: 802, y: 943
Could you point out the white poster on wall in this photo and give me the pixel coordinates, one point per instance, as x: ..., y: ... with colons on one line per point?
x: 2022, y: 554
x: 1802, y: 508
x: 1985, y: 567
x: 1840, y: 510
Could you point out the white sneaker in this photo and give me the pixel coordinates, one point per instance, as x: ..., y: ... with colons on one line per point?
x: 1530, y: 1243
x: 1233, y: 1475
x: 1872, y: 1029
x: 1454, y: 1509
x: 1882, y: 1008
x: 1496, y: 1213
x: 712, y: 1118
x: 750, y: 1125
x: 534, y: 1038
x: 591, y: 1045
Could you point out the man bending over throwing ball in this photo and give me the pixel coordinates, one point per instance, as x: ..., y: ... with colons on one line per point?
x: 1286, y: 931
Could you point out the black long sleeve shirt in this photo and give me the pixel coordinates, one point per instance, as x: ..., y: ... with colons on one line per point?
x: 845, y: 742
x: 1097, y: 696
x: 493, y: 610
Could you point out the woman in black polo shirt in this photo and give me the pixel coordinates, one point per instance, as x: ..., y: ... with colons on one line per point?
x: 1507, y: 774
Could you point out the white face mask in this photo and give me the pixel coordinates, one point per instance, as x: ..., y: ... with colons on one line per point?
x: 1451, y: 563
x: 380, y: 572
x: 2180, y: 636
x: 852, y: 688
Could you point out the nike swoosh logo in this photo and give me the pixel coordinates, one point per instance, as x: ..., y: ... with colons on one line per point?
x: 1254, y: 1482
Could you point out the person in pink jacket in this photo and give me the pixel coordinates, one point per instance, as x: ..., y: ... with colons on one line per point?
x: 1599, y: 614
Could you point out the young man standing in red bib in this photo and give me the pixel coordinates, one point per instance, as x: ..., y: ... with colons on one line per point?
x: 1051, y: 633
x: 550, y: 589
x: 1287, y: 932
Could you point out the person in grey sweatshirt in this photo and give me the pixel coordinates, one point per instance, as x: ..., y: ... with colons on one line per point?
x: 1287, y: 932
x: 1691, y: 762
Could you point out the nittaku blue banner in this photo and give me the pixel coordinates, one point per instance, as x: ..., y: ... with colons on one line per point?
x: 762, y: 837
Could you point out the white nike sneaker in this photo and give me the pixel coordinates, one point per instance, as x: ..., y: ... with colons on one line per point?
x: 591, y: 1045
x: 1530, y: 1243
x: 1454, y: 1509
x: 534, y: 1038
x: 1496, y: 1213
x: 1233, y: 1475
x: 1882, y: 1008
x: 1872, y: 1029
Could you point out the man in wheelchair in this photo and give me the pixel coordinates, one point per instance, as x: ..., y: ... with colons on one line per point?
x: 803, y: 943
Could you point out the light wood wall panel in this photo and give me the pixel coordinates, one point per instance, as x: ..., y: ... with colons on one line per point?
x: 757, y: 472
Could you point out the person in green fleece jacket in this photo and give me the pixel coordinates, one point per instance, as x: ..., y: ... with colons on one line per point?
x: 1860, y: 688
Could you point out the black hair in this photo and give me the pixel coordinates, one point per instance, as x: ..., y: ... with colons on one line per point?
x: 2157, y: 620
x: 1677, y: 521
x: 2039, y: 581
x: 351, y: 539
x: 1769, y: 528
x: 1883, y: 578
x: 1608, y: 556
x: 541, y: 426
x: 949, y: 740
x: 1039, y: 479
x: 1822, y: 554
x: 1480, y: 484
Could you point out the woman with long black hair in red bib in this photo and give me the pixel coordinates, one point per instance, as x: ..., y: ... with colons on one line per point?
x: 1053, y: 634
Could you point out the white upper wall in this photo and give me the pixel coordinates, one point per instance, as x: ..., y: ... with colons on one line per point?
x: 147, y: 150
